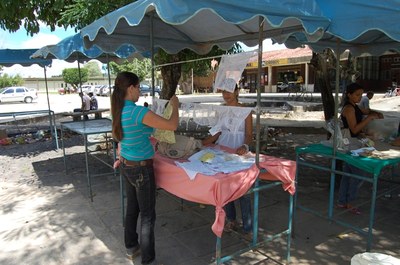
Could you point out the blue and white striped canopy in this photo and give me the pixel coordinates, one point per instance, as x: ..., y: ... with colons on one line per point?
x: 174, y: 25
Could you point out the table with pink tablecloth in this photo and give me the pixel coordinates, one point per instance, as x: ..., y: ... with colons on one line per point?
x: 221, y: 188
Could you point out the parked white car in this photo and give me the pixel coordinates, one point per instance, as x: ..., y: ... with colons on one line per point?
x: 98, y: 89
x: 86, y: 89
x: 105, y: 91
x: 15, y: 94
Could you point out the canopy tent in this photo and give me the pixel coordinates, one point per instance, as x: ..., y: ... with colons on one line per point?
x: 199, y: 25
x: 9, y: 57
x: 72, y: 49
x: 362, y: 27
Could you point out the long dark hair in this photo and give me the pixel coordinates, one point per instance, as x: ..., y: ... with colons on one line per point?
x: 350, y: 89
x: 122, y: 82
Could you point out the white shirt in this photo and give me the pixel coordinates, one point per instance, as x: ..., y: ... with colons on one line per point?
x: 232, y: 135
x: 364, y: 103
x: 86, y: 102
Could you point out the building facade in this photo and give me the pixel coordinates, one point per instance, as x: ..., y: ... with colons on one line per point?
x: 55, y: 83
x: 280, y: 66
x: 376, y: 73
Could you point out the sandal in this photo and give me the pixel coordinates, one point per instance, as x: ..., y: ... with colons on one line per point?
x: 230, y: 226
x: 248, y: 236
x: 354, y: 210
x: 341, y: 206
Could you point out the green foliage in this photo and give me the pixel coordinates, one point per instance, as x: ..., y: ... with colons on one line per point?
x: 81, y: 13
x: 17, y: 13
x: 93, y: 69
x: 6, y: 80
x: 71, y: 76
x: 140, y: 67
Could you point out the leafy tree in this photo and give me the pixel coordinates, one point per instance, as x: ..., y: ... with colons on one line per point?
x: 93, y: 69
x: 71, y: 76
x: 325, y: 75
x: 140, y: 67
x: 62, y: 13
x: 171, y: 73
x: 17, y: 13
x: 7, y: 80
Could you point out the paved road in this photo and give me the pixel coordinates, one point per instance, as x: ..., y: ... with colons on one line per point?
x: 63, y: 103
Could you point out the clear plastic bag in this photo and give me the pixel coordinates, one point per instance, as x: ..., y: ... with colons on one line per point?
x: 344, y: 141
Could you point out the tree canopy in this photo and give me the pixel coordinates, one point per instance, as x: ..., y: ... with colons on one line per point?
x: 93, y: 69
x: 140, y: 67
x: 6, y: 80
x: 15, y: 14
x: 71, y: 76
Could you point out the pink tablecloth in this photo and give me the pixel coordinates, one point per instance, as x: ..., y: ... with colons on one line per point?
x: 221, y: 188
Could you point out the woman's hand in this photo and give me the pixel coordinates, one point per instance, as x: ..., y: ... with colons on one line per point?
x: 116, y: 163
x: 174, y: 101
x: 244, y: 149
x: 374, y: 116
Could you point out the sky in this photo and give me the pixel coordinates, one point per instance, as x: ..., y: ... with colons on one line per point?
x: 20, y: 40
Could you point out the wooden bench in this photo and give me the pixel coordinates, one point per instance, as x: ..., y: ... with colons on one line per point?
x: 77, y: 116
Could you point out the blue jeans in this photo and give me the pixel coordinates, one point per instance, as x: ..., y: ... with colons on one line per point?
x: 348, y: 185
x: 141, y: 198
x: 245, y: 207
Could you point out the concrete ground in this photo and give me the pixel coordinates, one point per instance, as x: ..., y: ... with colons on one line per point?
x: 47, y: 217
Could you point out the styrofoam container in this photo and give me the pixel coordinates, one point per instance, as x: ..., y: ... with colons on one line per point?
x: 369, y: 258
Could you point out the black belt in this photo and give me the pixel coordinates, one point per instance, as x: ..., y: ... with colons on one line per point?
x: 142, y: 163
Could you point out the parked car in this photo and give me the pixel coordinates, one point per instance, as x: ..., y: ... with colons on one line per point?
x: 97, y: 89
x: 146, y: 90
x: 66, y: 90
x: 86, y: 89
x: 15, y: 94
x: 105, y: 91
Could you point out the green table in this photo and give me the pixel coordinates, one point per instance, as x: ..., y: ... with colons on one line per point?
x: 371, y: 165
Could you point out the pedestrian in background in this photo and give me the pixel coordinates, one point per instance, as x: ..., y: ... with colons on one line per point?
x: 85, y: 105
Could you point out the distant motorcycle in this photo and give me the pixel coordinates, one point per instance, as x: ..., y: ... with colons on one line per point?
x: 287, y: 87
x: 392, y: 92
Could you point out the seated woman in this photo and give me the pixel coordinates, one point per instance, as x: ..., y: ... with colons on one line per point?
x: 352, y: 118
x: 238, y: 141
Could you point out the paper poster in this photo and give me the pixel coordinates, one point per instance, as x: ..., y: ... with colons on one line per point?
x: 230, y: 70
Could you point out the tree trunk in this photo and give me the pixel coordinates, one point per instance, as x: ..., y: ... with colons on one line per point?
x: 323, y: 82
x: 170, y: 75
